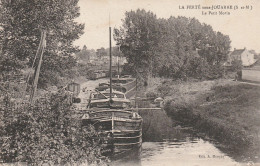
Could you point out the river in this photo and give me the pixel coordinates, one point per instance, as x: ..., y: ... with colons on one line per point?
x: 178, y: 146
x: 167, y: 143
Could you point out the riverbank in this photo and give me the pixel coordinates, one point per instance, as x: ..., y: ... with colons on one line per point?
x: 223, y: 110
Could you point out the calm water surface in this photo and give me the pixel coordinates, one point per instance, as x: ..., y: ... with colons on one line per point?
x: 166, y: 143
x: 188, y: 152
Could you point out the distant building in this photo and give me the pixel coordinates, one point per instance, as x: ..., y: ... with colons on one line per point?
x: 244, y: 55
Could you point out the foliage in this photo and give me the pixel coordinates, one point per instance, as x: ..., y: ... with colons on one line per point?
x: 84, y: 70
x: 151, y: 95
x: 128, y: 69
x: 138, y: 38
x: 115, y: 51
x: 55, y: 67
x: 222, y: 109
x: 83, y: 56
x: 102, y: 52
x: 47, y: 132
x: 236, y: 65
x: 177, y: 47
x: 21, y: 23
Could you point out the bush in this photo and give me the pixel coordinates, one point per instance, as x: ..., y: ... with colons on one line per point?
x: 151, y: 95
x: 236, y: 65
x: 163, y: 89
x: 47, y: 132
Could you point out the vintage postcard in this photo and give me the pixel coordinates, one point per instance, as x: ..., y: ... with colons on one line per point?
x: 130, y: 82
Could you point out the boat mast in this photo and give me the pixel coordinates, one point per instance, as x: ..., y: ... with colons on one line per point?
x: 110, y: 64
x: 118, y: 72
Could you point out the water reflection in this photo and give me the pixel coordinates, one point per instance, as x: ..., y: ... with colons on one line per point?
x: 130, y: 158
x: 188, y: 153
x: 166, y: 143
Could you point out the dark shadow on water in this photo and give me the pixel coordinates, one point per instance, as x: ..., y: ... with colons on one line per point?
x: 159, y: 131
x: 157, y: 127
x: 129, y: 158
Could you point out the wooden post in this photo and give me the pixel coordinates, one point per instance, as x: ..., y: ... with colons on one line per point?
x: 136, y: 105
x: 36, y: 78
x: 113, y: 125
x: 29, y: 75
x: 118, y: 65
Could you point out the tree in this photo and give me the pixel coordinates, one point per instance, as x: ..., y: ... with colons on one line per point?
x: 236, y: 65
x: 181, y: 44
x: 83, y: 55
x: 213, y: 46
x: 177, y: 47
x: 21, y: 23
x: 101, y: 52
x: 137, y: 38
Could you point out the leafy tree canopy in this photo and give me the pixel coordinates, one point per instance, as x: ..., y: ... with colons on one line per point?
x: 176, y: 47
x: 138, y: 37
x: 21, y: 22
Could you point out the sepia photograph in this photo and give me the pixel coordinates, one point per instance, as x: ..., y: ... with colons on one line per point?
x: 130, y: 82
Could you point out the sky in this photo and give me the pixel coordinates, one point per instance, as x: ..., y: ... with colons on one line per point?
x: 242, y: 25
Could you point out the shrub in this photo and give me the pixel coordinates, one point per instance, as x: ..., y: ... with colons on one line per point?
x: 47, y: 132
x: 163, y: 89
x: 151, y: 95
x: 236, y: 65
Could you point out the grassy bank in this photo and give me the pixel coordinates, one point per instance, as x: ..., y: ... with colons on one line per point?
x: 224, y: 110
